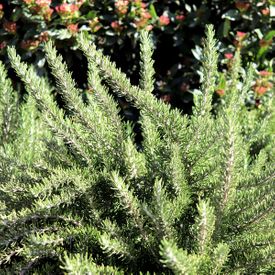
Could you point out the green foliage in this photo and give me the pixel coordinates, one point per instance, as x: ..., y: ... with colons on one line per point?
x: 78, y: 195
x: 8, y: 106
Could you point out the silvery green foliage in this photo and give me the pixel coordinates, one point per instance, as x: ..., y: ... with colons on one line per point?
x: 79, y: 197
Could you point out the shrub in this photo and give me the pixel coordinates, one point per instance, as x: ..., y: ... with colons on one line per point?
x: 114, y: 26
x: 78, y: 195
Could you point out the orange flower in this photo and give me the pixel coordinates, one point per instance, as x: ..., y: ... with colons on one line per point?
x: 43, y: 3
x: 143, y: 18
x: 220, y: 92
x: 73, y: 28
x: 260, y: 90
x: 145, y: 14
x: 121, y: 6
x: 140, y: 23
x: 262, y: 84
x: 240, y: 35
x: 10, y: 27
x: 43, y: 9
x: 164, y: 20
x: 47, y: 14
x: 180, y: 17
x: 116, y: 26
x: 265, y: 11
x: 29, y: 44
x: 67, y: 10
x: 228, y: 55
x: 265, y: 73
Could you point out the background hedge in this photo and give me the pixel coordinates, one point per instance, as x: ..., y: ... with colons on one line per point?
x: 177, y: 28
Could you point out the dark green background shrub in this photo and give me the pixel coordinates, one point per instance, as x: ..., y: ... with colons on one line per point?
x: 177, y: 26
